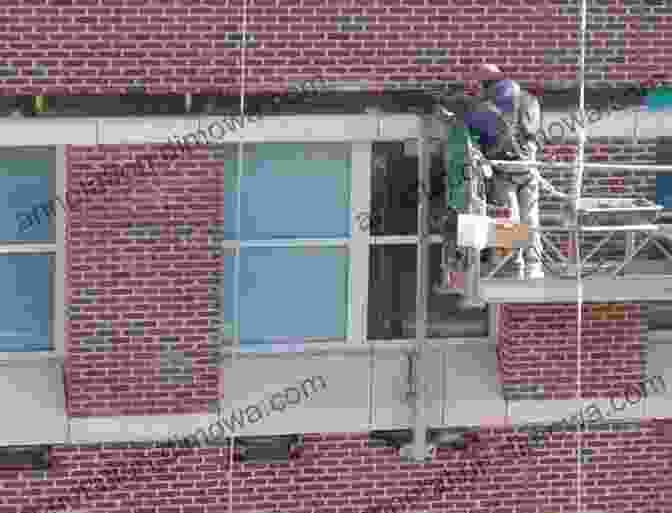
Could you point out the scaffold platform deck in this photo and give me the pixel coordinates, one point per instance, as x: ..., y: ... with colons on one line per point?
x: 648, y: 281
x: 566, y: 280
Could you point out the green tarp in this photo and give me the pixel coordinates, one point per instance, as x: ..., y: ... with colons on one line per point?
x: 455, y: 155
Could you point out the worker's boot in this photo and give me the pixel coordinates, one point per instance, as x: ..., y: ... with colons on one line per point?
x: 452, y: 275
x: 453, y: 282
x: 519, y: 268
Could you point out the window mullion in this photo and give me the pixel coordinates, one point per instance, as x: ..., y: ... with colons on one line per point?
x: 359, y: 248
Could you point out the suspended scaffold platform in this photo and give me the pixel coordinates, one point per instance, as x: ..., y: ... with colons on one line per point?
x: 624, y: 273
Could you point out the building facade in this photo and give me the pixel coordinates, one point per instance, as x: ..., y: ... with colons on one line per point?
x: 219, y: 325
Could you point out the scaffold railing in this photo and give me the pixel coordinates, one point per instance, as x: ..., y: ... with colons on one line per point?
x: 571, y: 165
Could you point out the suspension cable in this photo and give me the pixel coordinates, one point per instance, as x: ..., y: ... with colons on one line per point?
x: 577, y: 244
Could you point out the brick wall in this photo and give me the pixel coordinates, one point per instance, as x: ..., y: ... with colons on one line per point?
x: 539, y: 349
x: 623, y: 469
x: 607, y: 183
x: 142, y: 267
x: 61, y: 47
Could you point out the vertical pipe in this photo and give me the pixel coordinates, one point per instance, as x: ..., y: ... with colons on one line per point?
x: 420, y: 430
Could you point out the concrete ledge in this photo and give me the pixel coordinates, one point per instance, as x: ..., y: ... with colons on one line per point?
x: 158, y: 129
x: 136, y: 428
x: 49, y: 132
x: 87, y: 131
x: 33, y: 398
x: 527, y: 412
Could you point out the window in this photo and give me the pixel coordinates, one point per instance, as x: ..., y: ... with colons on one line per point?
x: 287, y: 232
x: 299, y: 263
x: 393, y: 254
x: 28, y: 239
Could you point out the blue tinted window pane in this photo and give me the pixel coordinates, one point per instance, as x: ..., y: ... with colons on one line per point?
x: 288, y: 294
x: 664, y: 191
x: 25, y: 206
x: 24, y: 303
x: 291, y: 191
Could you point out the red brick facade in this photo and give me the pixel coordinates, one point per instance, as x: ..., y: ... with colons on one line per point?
x: 539, y: 350
x: 497, y: 475
x: 140, y: 259
x: 97, y: 48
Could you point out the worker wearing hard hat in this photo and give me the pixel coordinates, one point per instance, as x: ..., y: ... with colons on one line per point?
x: 513, y: 136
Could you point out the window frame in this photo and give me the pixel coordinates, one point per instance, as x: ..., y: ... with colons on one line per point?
x: 357, y: 245
x: 56, y: 249
x: 413, y: 144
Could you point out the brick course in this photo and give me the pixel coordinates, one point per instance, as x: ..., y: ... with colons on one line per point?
x: 341, y: 473
x: 58, y: 47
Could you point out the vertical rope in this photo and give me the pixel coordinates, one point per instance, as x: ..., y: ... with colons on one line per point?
x: 237, y: 263
x: 577, y: 245
x: 232, y: 448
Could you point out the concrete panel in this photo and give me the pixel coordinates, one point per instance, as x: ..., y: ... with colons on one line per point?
x: 33, y: 401
x: 398, y: 127
x: 660, y: 364
x: 391, y: 409
x: 524, y: 412
x: 304, y: 128
x: 250, y: 382
x: 144, y: 130
x: 472, y: 390
x: 613, y: 124
x: 136, y: 428
x: 654, y: 124
x: 48, y: 132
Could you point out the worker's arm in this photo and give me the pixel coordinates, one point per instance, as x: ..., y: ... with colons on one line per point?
x: 530, y: 120
x: 530, y: 116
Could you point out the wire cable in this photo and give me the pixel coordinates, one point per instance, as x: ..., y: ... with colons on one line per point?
x: 577, y: 245
x: 237, y: 257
